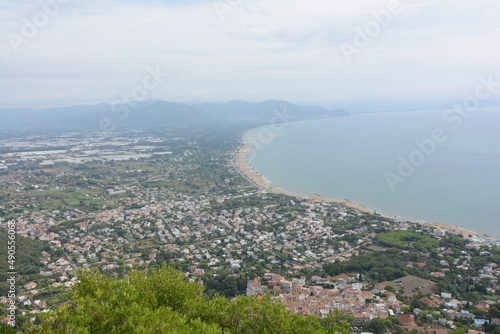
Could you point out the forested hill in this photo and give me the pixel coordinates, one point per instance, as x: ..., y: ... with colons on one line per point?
x: 27, y: 257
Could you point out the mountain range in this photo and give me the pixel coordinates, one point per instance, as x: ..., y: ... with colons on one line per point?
x: 159, y: 114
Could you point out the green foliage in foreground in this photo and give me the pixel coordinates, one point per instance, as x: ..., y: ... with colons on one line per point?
x: 162, y: 301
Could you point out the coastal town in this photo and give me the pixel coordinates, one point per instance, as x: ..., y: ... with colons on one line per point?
x: 132, y: 201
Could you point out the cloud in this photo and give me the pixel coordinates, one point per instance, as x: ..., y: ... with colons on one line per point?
x: 282, y: 48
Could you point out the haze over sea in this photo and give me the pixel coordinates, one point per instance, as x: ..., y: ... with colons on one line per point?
x: 348, y: 158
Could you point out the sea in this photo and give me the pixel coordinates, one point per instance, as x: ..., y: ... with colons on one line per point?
x: 431, y: 166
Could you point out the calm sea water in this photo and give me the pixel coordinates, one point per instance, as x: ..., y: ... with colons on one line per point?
x: 358, y: 157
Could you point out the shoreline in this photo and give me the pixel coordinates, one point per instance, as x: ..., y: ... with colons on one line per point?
x: 243, y: 166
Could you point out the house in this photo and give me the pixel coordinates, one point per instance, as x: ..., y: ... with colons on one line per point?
x: 439, y: 233
x: 446, y: 295
x: 390, y: 296
x: 343, y: 277
x: 63, y: 262
x: 378, y: 289
x: 360, y: 319
x: 40, y: 303
x: 429, y: 302
x: 285, y: 284
x: 407, y: 321
x: 451, y: 305
x: 437, y: 274
x: 323, y: 313
x: 450, y: 313
x: 254, y: 287
x: 466, y: 315
x: 30, y: 285
x: 480, y: 322
x: 199, y: 272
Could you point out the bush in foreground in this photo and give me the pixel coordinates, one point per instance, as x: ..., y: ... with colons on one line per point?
x: 162, y: 301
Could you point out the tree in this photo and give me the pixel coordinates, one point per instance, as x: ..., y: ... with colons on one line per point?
x: 6, y: 329
x: 389, y: 288
x: 496, y: 331
x: 379, y: 326
x: 162, y: 301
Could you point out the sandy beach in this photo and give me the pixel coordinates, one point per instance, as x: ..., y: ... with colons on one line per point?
x: 456, y: 229
x: 242, y: 164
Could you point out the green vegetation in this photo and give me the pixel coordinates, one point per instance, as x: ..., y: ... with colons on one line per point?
x: 6, y: 329
x: 67, y: 224
x: 162, y: 301
x: 27, y: 258
x: 225, y: 285
x: 253, y: 202
x: 382, y: 266
x: 407, y: 240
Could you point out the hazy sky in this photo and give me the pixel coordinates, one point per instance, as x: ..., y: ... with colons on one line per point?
x: 86, y: 51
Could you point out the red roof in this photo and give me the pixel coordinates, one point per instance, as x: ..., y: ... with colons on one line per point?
x: 429, y: 302
x: 406, y: 319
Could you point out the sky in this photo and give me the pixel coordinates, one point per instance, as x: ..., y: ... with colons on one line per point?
x: 67, y: 52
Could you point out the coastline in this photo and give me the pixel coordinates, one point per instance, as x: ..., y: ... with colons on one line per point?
x: 242, y: 165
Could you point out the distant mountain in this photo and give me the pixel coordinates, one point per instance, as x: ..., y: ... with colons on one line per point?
x: 159, y: 114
